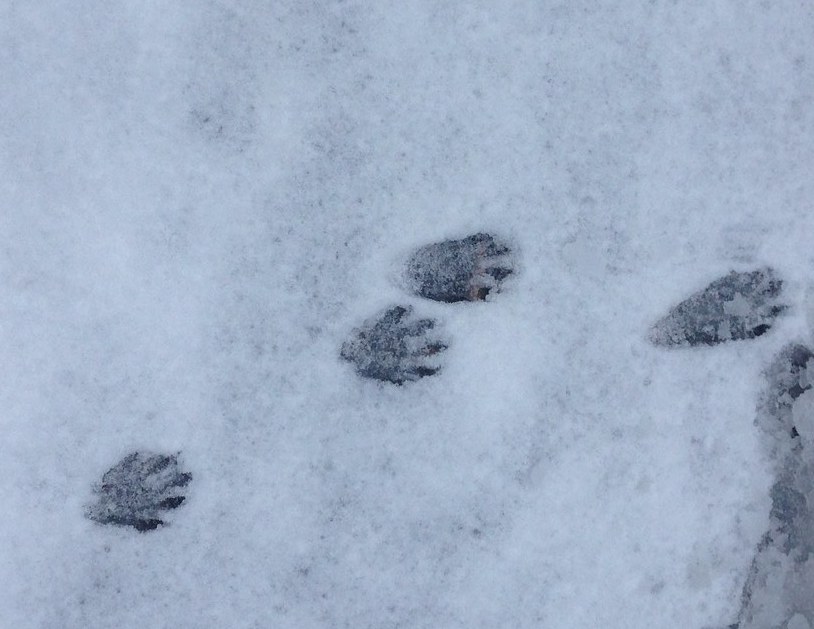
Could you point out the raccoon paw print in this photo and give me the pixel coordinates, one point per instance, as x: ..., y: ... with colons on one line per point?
x: 735, y: 307
x: 459, y: 270
x: 394, y: 348
x: 137, y: 489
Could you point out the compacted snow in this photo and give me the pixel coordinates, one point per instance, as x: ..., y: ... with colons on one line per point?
x: 202, y: 204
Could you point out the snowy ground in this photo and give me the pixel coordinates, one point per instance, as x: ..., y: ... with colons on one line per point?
x: 201, y: 199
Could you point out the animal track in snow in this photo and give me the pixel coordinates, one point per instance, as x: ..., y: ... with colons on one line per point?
x: 136, y: 490
x: 459, y: 270
x: 394, y: 347
x: 778, y: 587
x: 735, y: 307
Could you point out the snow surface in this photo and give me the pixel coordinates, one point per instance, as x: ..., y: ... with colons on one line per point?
x: 201, y: 199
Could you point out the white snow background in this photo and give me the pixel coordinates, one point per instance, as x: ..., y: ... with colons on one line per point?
x: 200, y: 200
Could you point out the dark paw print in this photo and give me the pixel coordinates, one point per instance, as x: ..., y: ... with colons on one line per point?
x: 137, y: 489
x: 459, y: 270
x: 735, y: 307
x: 394, y: 348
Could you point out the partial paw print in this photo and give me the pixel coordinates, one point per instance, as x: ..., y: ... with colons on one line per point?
x: 459, y: 270
x: 788, y: 377
x: 784, y: 560
x: 790, y: 515
x: 780, y: 580
x: 735, y: 307
x: 136, y: 491
x: 395, y: 347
